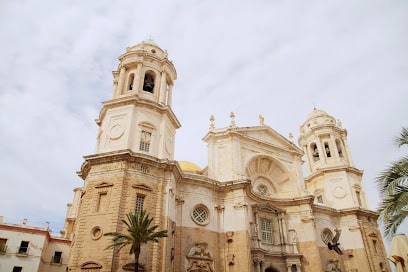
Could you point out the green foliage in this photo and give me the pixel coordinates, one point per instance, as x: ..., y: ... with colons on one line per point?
x: 392, y: 183
x: 139, y: 231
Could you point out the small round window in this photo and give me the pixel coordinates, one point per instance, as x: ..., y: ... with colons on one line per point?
x: 96, y: 233
x: 262, y: 190
x: 327, y: 236
x: 200, y: 215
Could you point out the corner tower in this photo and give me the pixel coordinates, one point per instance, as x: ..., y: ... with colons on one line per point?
x: 132, y: 168
x: 139, y: 115
x: 332, y: 178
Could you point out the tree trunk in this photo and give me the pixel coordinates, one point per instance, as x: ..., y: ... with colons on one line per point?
x: 136, y: 250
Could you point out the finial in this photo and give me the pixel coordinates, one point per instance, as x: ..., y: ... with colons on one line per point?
x: 150, y: 38
x: 261, y: 120
x: 314, y: 106
x: 291, y: 137
x: 212, y: 119
x: 339, y: 124
x: 232, y: 116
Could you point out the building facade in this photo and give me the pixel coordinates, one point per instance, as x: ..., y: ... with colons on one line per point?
x: 249, y: 209
x: 25, y: 248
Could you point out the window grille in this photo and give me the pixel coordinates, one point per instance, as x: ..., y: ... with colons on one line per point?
x: 266, y: 230
x: 139, y: 203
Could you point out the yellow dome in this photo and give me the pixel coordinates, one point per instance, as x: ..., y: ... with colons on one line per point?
x: 189, y: 166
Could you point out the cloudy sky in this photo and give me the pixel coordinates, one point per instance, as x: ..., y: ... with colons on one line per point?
x: 275, y: 58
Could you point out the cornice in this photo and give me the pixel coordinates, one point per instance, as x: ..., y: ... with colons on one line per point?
x: 323, y: 171
x: 280, y: 202
x: 345, y: 212
x: 128, y: 156
x: 136, y: 101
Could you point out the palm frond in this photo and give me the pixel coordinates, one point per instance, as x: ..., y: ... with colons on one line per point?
x: 402, y: 139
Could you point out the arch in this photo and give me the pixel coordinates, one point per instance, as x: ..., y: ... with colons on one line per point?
x: 149, y: 81
x: 271, y: 269
x: 266, y: 171
x: 91, y: 265
x: 131, y: 78
x: 339, y: 146
x: 314, y: 151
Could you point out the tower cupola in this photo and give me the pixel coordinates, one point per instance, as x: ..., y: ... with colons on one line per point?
x: 139, y: 116
x: 324, y: 142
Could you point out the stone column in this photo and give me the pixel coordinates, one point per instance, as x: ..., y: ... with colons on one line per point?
x: 163, y: 83
x: 169, y: 94
x: 121, y: 81
x: 136, y: 79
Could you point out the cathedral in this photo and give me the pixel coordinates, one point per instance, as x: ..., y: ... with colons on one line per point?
x: 251, y: 209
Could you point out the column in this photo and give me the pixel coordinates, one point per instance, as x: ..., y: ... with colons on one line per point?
x: 121, y: 81
x: 170, y: 91
x: 163, y: 88
x: 136, y: 79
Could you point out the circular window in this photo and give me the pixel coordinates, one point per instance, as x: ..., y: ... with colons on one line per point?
x: 96, y: 233
x: 327, y: 236
x: 200, y: 215
x: 262, y: 190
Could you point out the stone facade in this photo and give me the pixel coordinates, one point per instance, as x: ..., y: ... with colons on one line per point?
x: 250, y: 209
x: 31, y: 249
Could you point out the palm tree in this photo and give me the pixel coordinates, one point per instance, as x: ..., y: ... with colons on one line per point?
x: 139, y: 231
x: 392, y: 184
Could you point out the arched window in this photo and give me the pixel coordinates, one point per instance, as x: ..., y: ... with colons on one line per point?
x: 130, y: 82
x: 315, y: 152
x: 327, y: 149
x: 148, y: 83
x: 339, y: 148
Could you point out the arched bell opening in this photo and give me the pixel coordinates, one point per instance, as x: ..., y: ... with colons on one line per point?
x: 130, y: 82
x: 148, y: 82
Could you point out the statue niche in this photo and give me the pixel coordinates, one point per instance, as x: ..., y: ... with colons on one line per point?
x: 199, y: 259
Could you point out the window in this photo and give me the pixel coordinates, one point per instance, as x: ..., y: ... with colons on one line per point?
x: 144, y: 168
x: 266, y: 230
x: 200, y: 215
x: 315, y: 152
x: 338, y: 144
x: 327, y: 236
x: 17, y: 269
x: 148, y: 83
x: 3, y: 245
x: 57, y: 258
x: 327, y: 149
x: 23, y: 249
x: 102, y: 202
x: 130, y: 82
x: 375, y: 246
x: 358, y: 198
x: 145, y: 141
x: 262, y: 190
x: 139, y: 203
x: 319, y: 199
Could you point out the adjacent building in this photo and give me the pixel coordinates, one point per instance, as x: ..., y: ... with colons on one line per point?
x: 250, y: 209
x: 26, y: 248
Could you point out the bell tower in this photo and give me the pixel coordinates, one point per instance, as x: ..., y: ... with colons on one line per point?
x: 132, y: 168
x: 139, y: 115
x: 332, y: 178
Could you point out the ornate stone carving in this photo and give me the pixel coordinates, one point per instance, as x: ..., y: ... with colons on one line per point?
x: 199, y: 259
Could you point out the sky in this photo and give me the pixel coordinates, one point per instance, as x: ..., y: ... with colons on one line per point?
x: 276, y: 58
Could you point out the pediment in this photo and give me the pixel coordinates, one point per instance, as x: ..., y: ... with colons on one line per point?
x: 142, y: 186
x: 266, y: 208
x: 103, y: 185
x: 90, y: 265
x: 270, y: 137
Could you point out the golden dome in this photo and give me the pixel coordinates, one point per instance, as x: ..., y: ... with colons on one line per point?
x: 189, y: 166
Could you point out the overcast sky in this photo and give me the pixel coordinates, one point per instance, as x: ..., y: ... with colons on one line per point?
x: 275, y: 58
